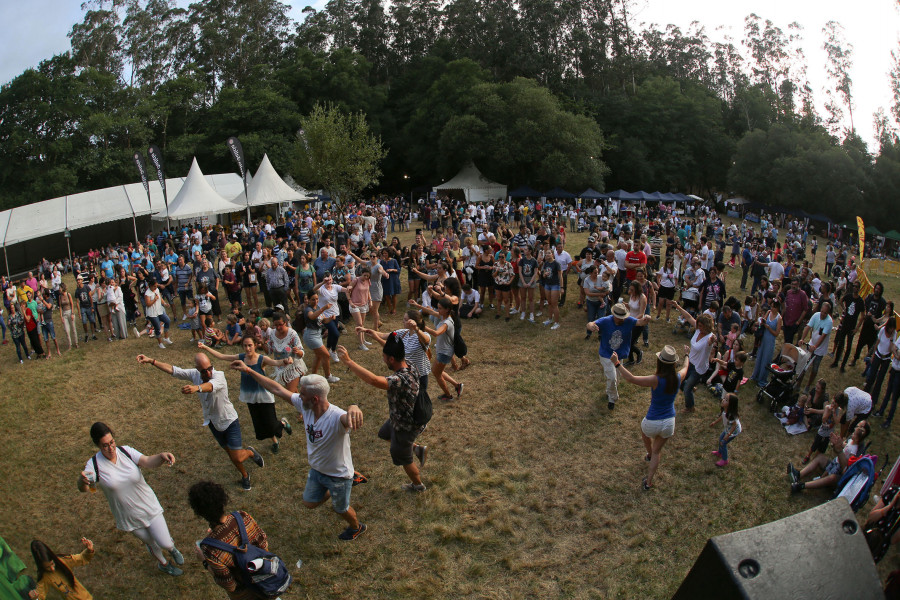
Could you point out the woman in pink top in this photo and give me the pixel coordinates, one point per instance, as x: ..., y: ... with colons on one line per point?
x: 359, y: 299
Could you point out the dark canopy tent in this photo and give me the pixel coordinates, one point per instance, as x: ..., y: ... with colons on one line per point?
x: 591, y: 194
x: 559, y: 194
x: 872, y: 230
x: 821, y: 218
x: 619, y: 195
x: 668, y: 197
x: 654, y: 197
x: 524, y: 192
x: 892, y: 235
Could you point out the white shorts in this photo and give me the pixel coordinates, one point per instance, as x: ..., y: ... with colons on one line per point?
x: 359, y: 309
x: 664, y: 428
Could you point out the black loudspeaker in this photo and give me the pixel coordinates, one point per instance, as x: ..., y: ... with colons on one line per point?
x: 818, y: 554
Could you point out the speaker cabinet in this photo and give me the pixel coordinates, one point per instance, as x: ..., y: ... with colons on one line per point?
x: 818, y: 554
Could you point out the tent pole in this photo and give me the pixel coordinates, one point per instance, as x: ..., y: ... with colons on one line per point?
x: 6, y: 260
x: 69, y: 247
x: 134, y: 223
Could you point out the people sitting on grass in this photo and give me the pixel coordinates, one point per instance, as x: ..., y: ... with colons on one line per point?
x: 833, y: 468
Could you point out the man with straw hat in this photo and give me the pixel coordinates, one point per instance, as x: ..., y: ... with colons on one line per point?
x: 615, y: 337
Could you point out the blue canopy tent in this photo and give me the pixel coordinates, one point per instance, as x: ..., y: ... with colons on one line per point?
x: 668, y: 197
x: 591, y: 194
x: 821, y: 218
x: 620, y: 195
x: 654, y: 197
x: 559, y: 194
x: 679, y: 197
x: 524, y: 192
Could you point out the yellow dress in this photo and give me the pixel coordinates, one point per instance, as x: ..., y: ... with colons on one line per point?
x: 58, y: 586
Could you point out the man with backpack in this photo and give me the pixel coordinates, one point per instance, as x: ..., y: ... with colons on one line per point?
x: 236, y: 549
x: 401, y: 428
x: 328, y: 430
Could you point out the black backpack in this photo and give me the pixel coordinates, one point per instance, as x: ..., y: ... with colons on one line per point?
x: 258, y: 569
x: 97, y: 467
x: 422, y: 409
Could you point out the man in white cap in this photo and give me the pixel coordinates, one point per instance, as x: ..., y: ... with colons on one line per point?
x: 615, y: 337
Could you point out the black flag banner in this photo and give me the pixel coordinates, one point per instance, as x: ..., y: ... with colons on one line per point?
x: 237, y: 151
x: 157, y: 160
x: 142, y: 169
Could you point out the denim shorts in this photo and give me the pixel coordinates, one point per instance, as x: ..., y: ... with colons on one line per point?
x: 551, y: 288
x: 317, y: 484
x: 230, y: 439
x: 444, y: 359
x: 49, y: 330
x: 87, y: 314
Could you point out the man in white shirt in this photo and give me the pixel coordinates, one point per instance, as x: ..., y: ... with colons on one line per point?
x: 563, y: 259
x: 817, y: 334
x: 859, y: 405
x: 328, y: 428
x: 218, y: 412
x: 471, y: 303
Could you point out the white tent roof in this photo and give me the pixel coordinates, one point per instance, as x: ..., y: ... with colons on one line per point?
x: 268, y: 188
x: 476, y: 186
x: 198, y: 197
x: 49, y: 217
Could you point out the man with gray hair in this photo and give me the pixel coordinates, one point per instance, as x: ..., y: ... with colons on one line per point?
x: 278, y: 282
x: 328, y: 430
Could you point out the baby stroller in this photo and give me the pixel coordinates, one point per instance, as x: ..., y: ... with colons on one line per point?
x: 856, y: 483
x: 786, y: 373
x: 690, y: 301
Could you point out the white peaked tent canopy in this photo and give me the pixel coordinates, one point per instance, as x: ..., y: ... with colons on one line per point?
x: 474, y: 185
x: 268, y: 188
x: 197, y: 197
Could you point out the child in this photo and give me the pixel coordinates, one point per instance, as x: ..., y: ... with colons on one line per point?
x: 232, y: 331
x: 713, y: 310
x: 55, y: 572
x: 732, y: 374
x: 797, y: 413
x: 193, y: 315
x: 732, y: 335
x: 731, y: 427
x: 204, y: 304
x: 749, y: 316
x: 236, y: 311
x: 213, y: 336
x: 263, y: 327
x: 831, y: 414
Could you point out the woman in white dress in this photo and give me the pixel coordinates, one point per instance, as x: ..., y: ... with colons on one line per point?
x: 116, y: 471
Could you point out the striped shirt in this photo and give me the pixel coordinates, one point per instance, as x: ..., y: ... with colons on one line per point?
x: 415, y: 351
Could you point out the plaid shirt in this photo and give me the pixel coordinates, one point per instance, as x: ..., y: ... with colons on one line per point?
x: 221, y: 563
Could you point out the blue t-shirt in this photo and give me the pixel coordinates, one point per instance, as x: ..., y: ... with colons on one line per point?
x: 662, y: 405
x: 615, y: 338
x: 108, y: 267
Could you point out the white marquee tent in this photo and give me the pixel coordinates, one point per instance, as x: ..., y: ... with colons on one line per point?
x: 268, y: 188
x: 76, y: 211
x: 475, y: 186
x: 197, y: 197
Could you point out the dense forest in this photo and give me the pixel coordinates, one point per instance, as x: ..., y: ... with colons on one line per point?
x: 538, y: 92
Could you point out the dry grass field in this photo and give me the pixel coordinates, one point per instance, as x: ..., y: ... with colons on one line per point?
x: 533, y: 485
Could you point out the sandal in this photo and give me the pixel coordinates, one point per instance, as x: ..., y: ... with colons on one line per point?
x: 646, y: 486
x: 466, y: 363
x: 647, y: 458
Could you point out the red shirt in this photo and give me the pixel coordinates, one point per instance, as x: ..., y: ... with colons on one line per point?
x: 634, y: 257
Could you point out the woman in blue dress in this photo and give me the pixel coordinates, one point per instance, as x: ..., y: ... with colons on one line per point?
x: 260, y: 402
x: 771, y: 325
x: 390, y: 284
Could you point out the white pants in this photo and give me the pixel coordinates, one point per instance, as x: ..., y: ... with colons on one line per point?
x: 69, y: 327
x: 156, y: 536
x: 117, y: 319
x: 612, y: 389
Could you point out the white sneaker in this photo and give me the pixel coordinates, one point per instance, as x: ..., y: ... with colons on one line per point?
x: 513, y: 311
x: 363, y: 347
x: 184, y: 317
x: 334, y: 356
x: 161, y: 345
x: 136, y: 332
x: 547, y: 322
x: 555, y: 326
x: 538, y: 313
x: 522, y: 316
x: 333, y: 379
x: 367, y: 342
x: 168, y: 340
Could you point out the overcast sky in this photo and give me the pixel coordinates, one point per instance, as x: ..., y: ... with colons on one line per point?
x: 36, y: 29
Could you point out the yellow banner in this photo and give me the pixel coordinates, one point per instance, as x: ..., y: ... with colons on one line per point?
x: 865, y: 286
x: 862, y: 237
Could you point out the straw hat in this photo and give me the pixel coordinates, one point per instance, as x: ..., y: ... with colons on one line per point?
x: 620, y: 310
x: 667, y: 355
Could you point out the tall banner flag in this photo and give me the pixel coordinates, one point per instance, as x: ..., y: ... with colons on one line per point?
x: 237, y: 151
x: 865, y: 286
x: 156, y: 158
x: 862, y: 237
x: 142, y: 169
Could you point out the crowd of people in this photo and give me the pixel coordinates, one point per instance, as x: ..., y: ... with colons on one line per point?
x: 300, y: 284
